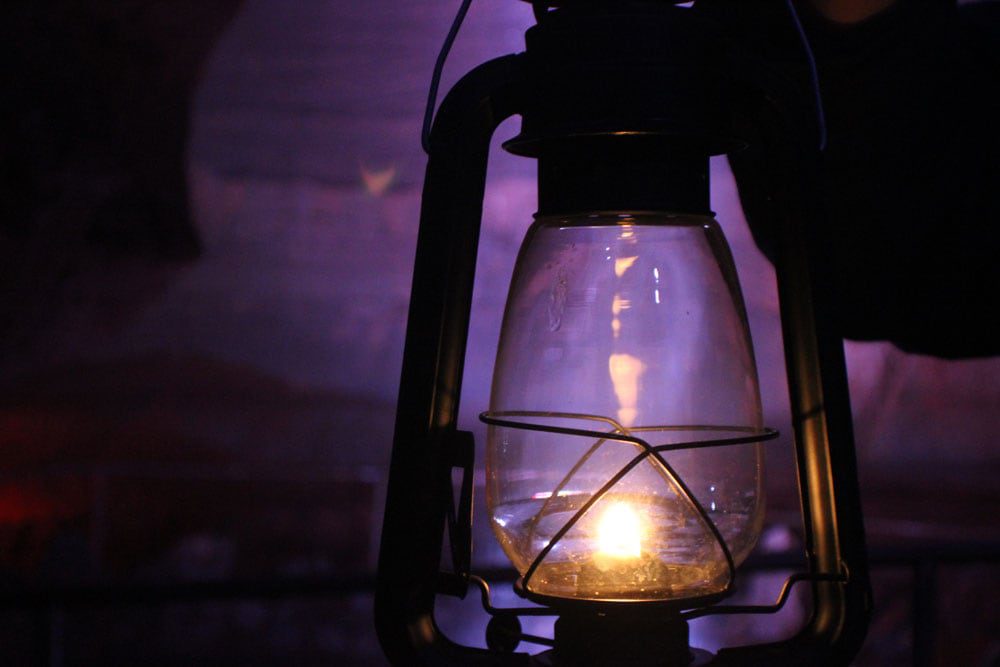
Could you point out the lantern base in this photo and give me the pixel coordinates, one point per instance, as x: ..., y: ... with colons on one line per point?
x: 615, y: 607
x: 624, y: 639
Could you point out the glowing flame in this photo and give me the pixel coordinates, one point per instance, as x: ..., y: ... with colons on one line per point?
x: 619, y: 532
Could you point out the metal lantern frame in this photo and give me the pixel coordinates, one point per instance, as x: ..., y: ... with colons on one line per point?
x: 689, y: 77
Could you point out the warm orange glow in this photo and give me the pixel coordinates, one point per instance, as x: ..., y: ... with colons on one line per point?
x: 625, y: 371
x: 377, y: 181
x: 619, y: 532
x: 623, y: 264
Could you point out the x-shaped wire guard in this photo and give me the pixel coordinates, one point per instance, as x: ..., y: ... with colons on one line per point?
x: 620, y: 433
x: 646, y: 451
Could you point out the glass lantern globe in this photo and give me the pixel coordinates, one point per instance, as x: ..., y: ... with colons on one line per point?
x: 624, y: 397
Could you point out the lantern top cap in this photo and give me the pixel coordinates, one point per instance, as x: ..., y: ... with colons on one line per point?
x: 628, y: 72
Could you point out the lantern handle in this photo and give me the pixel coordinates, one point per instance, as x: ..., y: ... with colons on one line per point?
x: 419, y: 483
x: 456, y: 25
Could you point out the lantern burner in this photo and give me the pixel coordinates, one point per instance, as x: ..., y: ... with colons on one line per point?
x: 504, y: 634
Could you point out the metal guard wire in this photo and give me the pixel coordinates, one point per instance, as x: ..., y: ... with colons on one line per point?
x: 620, y: 433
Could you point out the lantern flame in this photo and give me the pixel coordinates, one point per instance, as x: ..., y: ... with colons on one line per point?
x: 619, y: 532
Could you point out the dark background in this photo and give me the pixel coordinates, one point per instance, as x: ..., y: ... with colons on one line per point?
x: 209, y: 217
